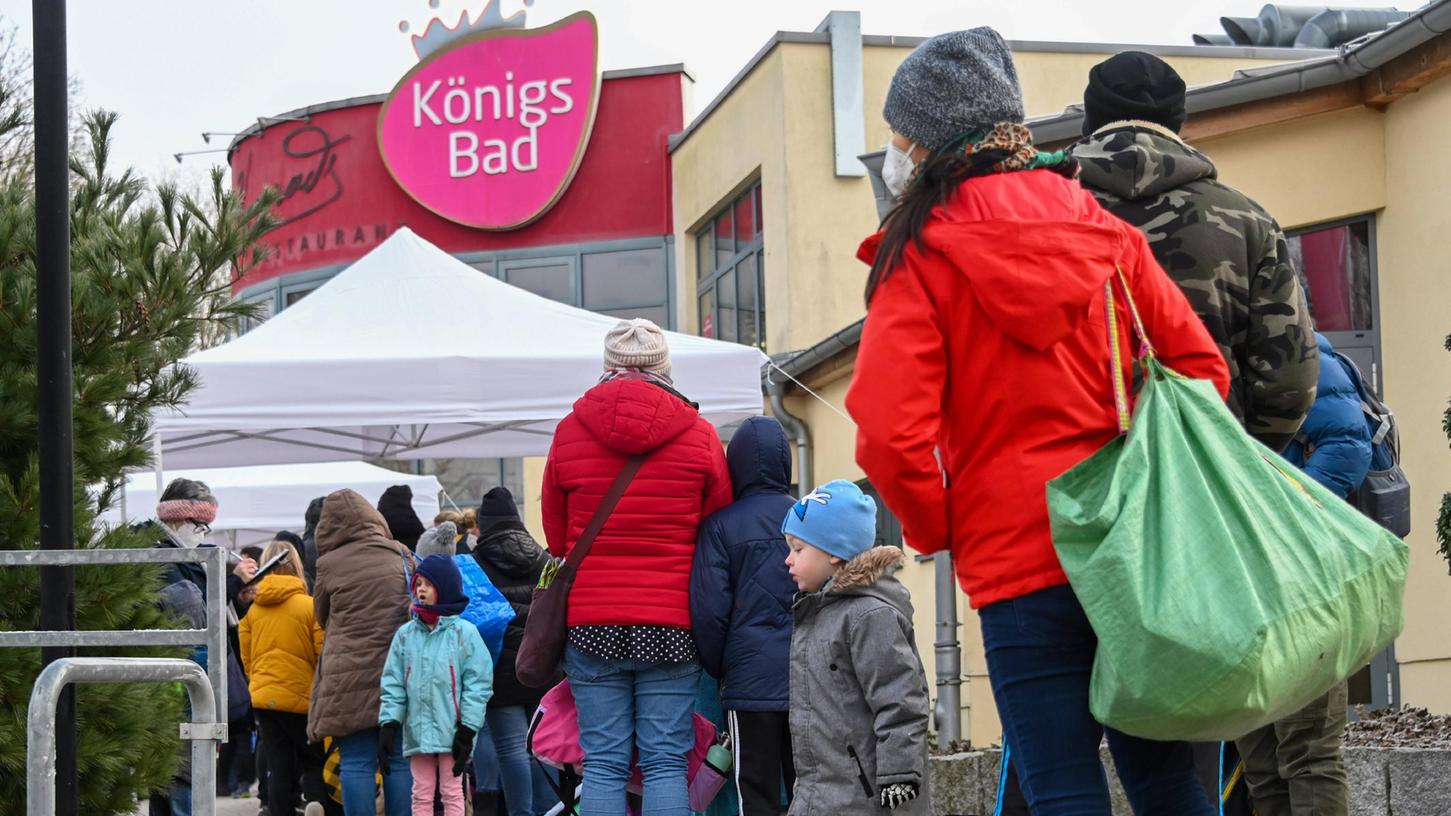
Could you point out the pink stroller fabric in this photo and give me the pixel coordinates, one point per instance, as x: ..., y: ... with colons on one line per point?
x: 554, y: 740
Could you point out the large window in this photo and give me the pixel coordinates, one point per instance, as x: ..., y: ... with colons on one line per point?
x: 625, y: 278
x: 467, y: 480
x: 1337, y: 267
x: 1337, y: 263
x: 730, y: 266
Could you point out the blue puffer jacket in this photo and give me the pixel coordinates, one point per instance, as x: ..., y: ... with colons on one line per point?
x: 740, y: 591
x: 433, y: 681
x: 1335, y: 433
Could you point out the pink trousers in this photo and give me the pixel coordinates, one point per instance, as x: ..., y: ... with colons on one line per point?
x: 434, y: 773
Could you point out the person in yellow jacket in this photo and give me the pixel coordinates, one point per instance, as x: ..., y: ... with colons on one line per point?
x: 281, y: 643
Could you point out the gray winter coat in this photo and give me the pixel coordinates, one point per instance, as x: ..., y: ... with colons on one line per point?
x: 859, y: 700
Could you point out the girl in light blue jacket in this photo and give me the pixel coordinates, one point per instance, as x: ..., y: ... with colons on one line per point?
x: 436, y: 685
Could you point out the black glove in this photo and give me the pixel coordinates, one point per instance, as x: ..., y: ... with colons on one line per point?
x: 894, y: 796
x: 463, y: 746
x: 387, y: 732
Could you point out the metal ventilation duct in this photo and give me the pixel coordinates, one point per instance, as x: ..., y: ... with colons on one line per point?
x: 1334, y: 27
x: 1279, y: 26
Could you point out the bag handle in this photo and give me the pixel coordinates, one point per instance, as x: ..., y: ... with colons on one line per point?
x: 602, y: 514
x: 1116, y: 354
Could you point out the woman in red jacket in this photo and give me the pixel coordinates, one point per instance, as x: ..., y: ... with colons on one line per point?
x: 631, y: 659
x: 986, y: 349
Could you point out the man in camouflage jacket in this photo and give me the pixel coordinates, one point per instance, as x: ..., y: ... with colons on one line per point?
x: 1231, y: 259
x: 1226, y: 253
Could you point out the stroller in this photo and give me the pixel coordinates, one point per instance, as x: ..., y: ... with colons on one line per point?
x: 553, y: 741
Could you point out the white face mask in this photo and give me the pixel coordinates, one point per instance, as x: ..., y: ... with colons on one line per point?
x: 187, y: 535
x: 897, y: 169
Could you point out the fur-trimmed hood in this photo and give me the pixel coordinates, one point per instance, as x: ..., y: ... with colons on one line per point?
x: 871, y: 574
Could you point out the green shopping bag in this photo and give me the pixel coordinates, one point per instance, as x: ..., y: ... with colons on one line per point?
x: 1227, y: 591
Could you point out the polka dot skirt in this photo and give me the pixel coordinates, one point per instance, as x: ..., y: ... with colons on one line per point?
x: 650, y: 644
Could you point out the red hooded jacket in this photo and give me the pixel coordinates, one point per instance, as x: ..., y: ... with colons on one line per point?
x: 638, y: 570
x: 991, y: 346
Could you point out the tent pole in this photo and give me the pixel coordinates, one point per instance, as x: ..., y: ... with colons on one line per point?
x: 156, y: 457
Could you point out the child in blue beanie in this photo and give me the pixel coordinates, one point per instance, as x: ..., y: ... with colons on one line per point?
x: 859, y: 701
x: 436, y: 685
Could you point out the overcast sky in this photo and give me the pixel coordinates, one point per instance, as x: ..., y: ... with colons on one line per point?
x: 176, y: 68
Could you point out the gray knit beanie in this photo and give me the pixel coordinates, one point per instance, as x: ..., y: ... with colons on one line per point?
x: 954, y: 83
x: 438, y: 541
x: 638, y: 344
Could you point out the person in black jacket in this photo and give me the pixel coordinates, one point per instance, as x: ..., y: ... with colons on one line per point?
x: 309, y: 541
x: 740, y: 608
x: 512, y: 560
x: 396, y: 507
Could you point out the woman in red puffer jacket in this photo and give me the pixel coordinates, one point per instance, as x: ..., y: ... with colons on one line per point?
x: 631, y: 658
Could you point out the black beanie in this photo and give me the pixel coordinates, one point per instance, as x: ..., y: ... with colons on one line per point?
x: 396, y: 508
x: 497, y: 508
x: 1133, y: 85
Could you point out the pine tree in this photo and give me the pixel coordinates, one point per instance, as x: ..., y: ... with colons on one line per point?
x: 151, y: 272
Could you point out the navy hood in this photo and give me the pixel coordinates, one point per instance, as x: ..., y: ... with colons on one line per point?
x: 759, y: 458
x: 443, y: 573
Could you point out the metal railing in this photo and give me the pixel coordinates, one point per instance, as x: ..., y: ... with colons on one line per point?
x: 204, y: 730
x: 208, y: 709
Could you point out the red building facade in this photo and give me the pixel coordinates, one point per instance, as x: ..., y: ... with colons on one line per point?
x: 605, y: 245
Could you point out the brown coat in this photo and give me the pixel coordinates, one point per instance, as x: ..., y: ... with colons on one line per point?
x: 361, y: 598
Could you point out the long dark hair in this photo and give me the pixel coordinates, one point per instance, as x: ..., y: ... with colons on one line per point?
x: 937, y: 179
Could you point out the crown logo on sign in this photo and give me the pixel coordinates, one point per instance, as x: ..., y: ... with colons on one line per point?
x: 437, y: 33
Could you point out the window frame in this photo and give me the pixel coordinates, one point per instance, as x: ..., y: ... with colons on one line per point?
x: 708, y: 282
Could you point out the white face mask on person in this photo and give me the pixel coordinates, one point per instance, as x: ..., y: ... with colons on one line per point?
x: 188, y: 535
x: 897, y: 169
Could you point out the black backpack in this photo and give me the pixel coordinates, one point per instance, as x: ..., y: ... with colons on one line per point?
x: 1385, y: 495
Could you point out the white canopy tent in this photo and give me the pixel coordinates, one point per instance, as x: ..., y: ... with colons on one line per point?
x: 253, y: 503
x: 410, y: 354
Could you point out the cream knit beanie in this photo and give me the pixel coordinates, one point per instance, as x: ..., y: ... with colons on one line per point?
x: 638, y: 344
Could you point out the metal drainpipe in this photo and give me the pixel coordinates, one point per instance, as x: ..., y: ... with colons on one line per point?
x: 948, y: 653
x: 798, y: 429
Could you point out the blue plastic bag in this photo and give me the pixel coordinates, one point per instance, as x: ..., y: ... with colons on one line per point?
x: 488, y: 609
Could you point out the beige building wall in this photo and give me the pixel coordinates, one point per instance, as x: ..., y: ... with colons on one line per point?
x: 1414, y: 270
x: 1388, y: 175
x: 1279, y: 166
x: 777, y: 124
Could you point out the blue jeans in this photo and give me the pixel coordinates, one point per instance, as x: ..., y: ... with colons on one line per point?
x: 501, y: 758
x: 181, y: 799
x: 628, y: 706
x: 1040, y: 650
x: 357, y: 772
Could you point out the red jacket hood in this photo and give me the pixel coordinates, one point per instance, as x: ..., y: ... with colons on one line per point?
x: 1035, y: 279
x: 633, y: 416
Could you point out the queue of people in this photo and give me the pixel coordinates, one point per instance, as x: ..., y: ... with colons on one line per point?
x: 998, y: 258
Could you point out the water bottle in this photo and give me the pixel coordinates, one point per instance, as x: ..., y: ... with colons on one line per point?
x: 710, y: 777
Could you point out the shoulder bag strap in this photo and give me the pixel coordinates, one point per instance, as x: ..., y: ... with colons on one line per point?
x: 1116, y: 354
x: 602, y: 514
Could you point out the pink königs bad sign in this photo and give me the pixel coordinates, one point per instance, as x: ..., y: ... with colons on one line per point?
x: 489, y: 130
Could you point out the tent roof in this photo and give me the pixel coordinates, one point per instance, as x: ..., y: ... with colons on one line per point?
x: 410, y: 353
x: 275, y: 497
